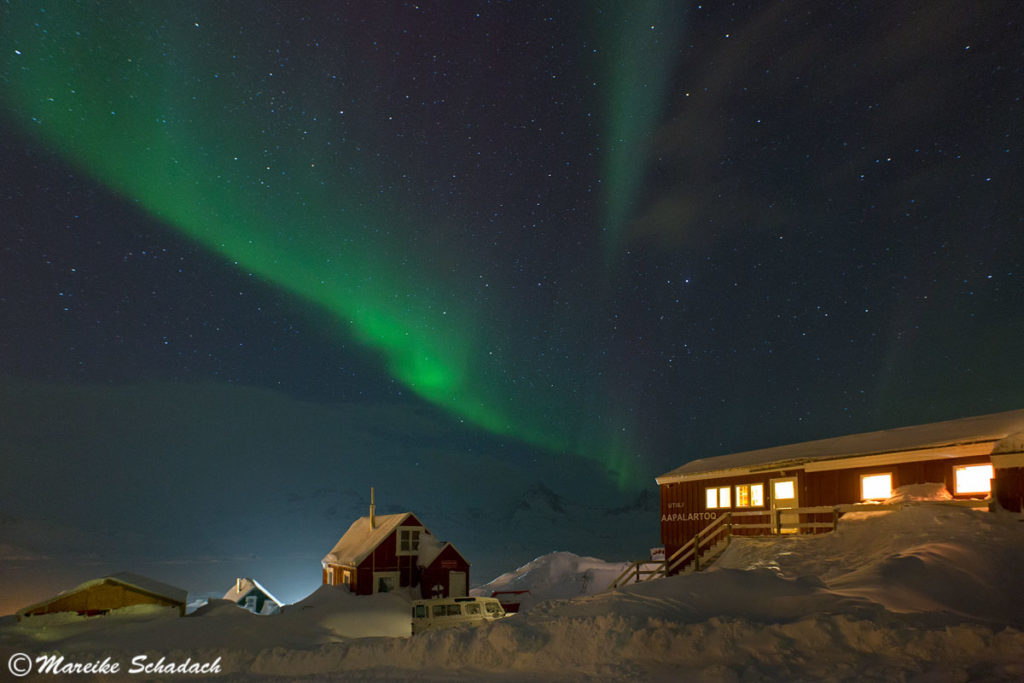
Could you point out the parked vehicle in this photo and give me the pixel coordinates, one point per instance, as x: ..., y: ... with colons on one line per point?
x: 447, y: 612
x: 510, y: 600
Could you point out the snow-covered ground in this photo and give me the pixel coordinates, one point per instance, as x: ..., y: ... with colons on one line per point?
x: 927, y: 593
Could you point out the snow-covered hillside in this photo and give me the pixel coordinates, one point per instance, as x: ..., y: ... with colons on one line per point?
x: 555, y: 576
x: 926, y: 593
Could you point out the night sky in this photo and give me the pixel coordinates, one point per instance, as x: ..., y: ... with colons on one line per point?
x: 257, y: 256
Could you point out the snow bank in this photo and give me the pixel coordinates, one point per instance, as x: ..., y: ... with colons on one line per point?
x: 920, y: 492
x: 929, y: 592
x: 555, y: 575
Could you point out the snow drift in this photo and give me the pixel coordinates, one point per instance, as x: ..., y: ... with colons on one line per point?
x: 556, y: 575
x: 929, y: 592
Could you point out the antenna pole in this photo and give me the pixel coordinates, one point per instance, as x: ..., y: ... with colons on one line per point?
x: 373, y: 511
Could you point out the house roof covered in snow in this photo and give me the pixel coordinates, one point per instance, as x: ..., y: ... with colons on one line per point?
x: 241, y: 588
x: 969, y: 430
x: 152, y: 586
x: 430, y: 550
x: 136, y: 581
x: 361, y: 539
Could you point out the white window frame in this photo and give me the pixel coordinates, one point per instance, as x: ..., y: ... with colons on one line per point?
x: 415, y: 546
x: 956, y: 480
x: 717, y: 492
x: 395, y: 576
x: 863, y: 493
x: 750, y: 495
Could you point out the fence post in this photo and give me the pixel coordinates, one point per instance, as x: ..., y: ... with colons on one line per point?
x: 835, y: 518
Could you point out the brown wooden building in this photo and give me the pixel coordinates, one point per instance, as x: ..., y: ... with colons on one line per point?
x: 381, y: 553
x: 100, y: 596
x: 975, y: 457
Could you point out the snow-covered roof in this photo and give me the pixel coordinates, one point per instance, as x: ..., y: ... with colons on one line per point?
x: 148, y: 585
x: 968, y: 430
x: 430, y: 548
x: 241, y: 588
x: 137, y: 581
x: 360, y: 539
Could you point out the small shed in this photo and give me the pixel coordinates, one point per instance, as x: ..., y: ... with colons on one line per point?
x: 975, y: 457
x: 250, y: 595
x: 381, y: 553
x: 102, y: 595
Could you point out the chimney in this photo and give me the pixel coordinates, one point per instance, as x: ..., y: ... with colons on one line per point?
x: 373, y: 511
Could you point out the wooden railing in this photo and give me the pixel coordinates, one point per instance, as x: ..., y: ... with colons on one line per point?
x: 775, y: 523
x: 722, y: 530
x: 640, y: 570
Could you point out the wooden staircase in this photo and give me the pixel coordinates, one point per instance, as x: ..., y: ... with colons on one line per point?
x: 707, y: 545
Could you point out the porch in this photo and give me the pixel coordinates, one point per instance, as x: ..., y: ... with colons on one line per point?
x: 702, y: 549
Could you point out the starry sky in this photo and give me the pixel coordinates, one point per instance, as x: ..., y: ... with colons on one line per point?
x: 258, y: 256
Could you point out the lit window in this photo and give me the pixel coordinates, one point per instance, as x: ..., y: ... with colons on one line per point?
x: 757, y: 495
x: 750, y: 495
x: 973, y: 479
x: 785, y: 490
x: 717, y: 497
x: 742, y: 496
x: 876, y: 486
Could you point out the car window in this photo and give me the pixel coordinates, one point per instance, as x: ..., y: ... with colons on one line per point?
x: 493, y: 608
x: 439, y: 610
x: 472, y: 608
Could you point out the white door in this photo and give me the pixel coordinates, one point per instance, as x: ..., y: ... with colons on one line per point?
x: 784, y: 496
x: 456, y: 584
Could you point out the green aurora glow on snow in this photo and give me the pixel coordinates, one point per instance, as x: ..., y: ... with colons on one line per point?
x: 176, y: 120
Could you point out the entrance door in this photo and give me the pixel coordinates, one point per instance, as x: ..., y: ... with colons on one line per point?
x: 456, y: 584
x: 785, y: 496
x: 385, y: 582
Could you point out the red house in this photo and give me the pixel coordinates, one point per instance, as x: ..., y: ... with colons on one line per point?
x: 976, y: 458
x: 383, y: 553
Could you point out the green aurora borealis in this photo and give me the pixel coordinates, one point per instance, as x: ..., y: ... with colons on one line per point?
x: 639, y: 80
x: 203, y: 135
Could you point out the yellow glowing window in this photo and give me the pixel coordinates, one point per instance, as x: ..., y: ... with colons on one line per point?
x: 876, y: 486
x: 973, y: 479
x: 717, y: 497
x: 785, y: 490
x: 742, y: 496
x: 757, y: 496
x: 750, y: 495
